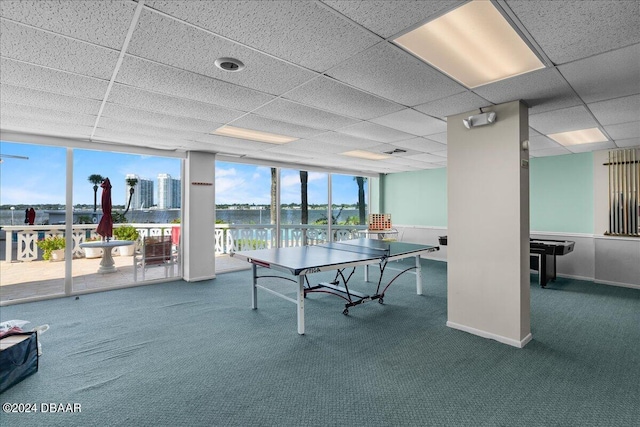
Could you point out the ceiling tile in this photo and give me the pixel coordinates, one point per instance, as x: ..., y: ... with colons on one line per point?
x: 375, y: 132
x: 387, y: 18
x: 439, y: 137
x: 164, y: 40
x: 606, y: 76
x: 45, y: 79
x: 549, y: 152
x: 632, y: 142
x: 314, y: 147
x: 616, y: 23
x: 542, y: 90
x: 152, y: 101
x: 37, y: 114
x: 143, y: 139
x: 619, y: 110
x: 351, y: 142
x: 225, y: 141
x: 133, y: 115
x: 331, y: 95
x: 172, y: 81
x: 62, y: 53
x: 293, y: 112
x: 388, y: 71
x: 587, y: 148
x: 48, y: 100
x: 442, y: 153
x: 564, y: 120
x: 264, y: 124
x: 428, y: 158
x: 116, y: 126
x: 101, y: 22
x: 624, y: 130
x: 541, y: 142
x: 43, y: 127
x: 420, y: 144
x: 412, y: 122
x: 304, y: 33
x: 451, y: 105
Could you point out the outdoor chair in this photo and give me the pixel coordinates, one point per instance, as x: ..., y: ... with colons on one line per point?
x: 156, y: 251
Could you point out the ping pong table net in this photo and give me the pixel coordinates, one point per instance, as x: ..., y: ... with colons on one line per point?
x: 379, y: 250
x: 380, y: 222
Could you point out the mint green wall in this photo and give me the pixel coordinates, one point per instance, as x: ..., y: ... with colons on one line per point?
x: 415, y: 198
x: 561, y: 195
x: 561, y: 192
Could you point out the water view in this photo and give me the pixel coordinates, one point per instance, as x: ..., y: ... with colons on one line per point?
x: 163, y: 216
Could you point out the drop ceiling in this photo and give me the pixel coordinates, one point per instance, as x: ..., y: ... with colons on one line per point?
x: 326, y: 72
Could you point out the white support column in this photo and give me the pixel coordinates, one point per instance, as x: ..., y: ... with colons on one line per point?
x: 199, y: 217
x: 488, y: 226
x: 68, y: 228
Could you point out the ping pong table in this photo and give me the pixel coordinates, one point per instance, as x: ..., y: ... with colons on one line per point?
x: 343, y: 257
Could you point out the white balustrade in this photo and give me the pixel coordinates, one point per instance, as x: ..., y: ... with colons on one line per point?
x: 227, y: 238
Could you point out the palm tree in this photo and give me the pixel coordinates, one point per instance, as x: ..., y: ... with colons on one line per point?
x: 304, y: 202
x: 131, y: 182
x: 274, y: 190
x: 95, y: 179
x: 361, y: 204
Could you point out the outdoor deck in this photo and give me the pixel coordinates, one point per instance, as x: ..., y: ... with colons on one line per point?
x: 19, y: 280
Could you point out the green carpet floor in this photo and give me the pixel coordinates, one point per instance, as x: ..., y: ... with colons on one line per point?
x: 195, y: 354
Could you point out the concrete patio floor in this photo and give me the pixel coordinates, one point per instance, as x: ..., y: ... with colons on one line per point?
x: 20, y: 280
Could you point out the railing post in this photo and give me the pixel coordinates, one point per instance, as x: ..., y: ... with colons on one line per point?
x: 8, y: 253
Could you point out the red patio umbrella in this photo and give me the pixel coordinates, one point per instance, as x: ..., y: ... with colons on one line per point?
x: 105, y: 227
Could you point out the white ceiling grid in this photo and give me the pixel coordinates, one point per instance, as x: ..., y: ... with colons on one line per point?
x: 326, y: 72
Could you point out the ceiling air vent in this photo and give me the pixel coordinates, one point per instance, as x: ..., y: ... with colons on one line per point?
x: 395, y: 151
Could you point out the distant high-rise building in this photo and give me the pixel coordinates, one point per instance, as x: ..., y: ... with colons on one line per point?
x: 169, y: 192
x: 143, y: 192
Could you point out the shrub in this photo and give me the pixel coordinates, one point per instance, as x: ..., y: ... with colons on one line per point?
x: 50, y: 244
x: 126, y: 232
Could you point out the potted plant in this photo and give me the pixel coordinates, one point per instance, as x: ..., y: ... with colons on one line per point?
x: 126, y: 232
x: 52, y: 247
x: 93, y: 252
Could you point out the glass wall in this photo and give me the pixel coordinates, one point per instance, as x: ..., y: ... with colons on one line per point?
x: 303, y: 201
x: 349, y: 199
x: 146, y: 207
x: 32, y: 189
x: 146, y: 202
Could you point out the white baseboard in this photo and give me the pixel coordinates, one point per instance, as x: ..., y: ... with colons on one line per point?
x: 622, y: 285
x: 485, y: 334
x: 198, y: 279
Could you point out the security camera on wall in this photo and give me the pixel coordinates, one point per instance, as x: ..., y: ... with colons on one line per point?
x: 479, y: 120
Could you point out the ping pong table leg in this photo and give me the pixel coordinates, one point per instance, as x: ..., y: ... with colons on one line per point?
x: 254, y: 291
x: 301, y: 304
x: 418, y: 275
x: 366, y: 272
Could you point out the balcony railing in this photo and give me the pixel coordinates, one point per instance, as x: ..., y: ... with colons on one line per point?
x: 227, y: 238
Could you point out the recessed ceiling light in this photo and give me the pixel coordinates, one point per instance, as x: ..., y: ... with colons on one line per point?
x: 576, y: 137
x: 253, y: 135
x: 474, y: 44
x: 365, y: 155
x: 229, y: 64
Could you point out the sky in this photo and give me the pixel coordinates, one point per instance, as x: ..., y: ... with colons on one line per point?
x: 41, y: 178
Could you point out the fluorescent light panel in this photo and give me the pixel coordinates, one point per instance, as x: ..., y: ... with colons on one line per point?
x: 577, y: 137
x: 365, y: 155
x: 473, y: 44
x: 253, y: 135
